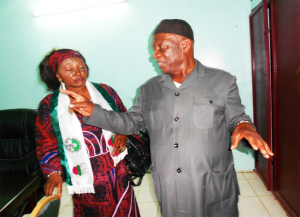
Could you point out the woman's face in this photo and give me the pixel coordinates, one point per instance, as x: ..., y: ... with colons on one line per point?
x: 73, y: 72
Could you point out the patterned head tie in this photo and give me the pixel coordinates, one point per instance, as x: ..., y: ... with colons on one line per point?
x: 59, y: 56
x: 175, y: 26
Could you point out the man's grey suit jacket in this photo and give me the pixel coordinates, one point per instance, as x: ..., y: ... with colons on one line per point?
x: 189, y: 128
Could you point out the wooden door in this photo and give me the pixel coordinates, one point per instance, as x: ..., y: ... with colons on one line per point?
x: 261, y: 86
x: 285, y: 46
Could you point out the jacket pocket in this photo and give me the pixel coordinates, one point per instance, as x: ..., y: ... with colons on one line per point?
x: 208, y: 111
x: 154, y: 112
x: 222, y: 184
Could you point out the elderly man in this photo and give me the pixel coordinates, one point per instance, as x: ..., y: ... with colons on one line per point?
x: 190, y: 112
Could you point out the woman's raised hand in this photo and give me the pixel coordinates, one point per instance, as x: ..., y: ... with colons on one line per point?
x: 80, y: 103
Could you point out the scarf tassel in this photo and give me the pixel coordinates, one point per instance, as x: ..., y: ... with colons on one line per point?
x: 80, y: 189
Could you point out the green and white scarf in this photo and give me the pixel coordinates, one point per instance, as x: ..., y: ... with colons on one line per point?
x: 71, y: 146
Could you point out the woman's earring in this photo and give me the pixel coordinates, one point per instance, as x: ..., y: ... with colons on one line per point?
x: 60, y: 81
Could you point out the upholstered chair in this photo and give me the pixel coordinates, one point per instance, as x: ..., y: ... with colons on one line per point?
x: 47, y: 207
x: 17, y: 147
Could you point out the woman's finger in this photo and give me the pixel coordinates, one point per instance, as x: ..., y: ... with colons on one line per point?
x: 48, y: 190
x: 59, y: 189
x: 51, y: 189
x: 116, y: 150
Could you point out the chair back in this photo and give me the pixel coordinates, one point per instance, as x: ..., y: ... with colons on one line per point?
x: 17, y: 142
x: 47, y: 207
x: 18, y: 150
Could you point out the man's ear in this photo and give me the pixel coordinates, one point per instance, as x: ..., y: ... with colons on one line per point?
x: 186, y: 45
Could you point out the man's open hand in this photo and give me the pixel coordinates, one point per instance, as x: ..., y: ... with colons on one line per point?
x: 246, y: 130
x: 80, y: 103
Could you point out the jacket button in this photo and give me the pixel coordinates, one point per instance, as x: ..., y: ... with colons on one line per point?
x: 210, y: 101
x: 176, y: 145
x: 178, y: 170
x: 176, y: 119
x: 176, y: 94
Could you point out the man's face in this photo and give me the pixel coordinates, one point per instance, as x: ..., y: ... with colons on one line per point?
x: 167, y: 52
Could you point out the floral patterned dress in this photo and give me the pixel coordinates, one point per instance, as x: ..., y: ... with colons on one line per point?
x: 114, y: 196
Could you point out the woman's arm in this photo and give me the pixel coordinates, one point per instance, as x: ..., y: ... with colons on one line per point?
x: 47, y: 149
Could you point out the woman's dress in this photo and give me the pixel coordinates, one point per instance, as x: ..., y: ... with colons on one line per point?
x: 114, y: 196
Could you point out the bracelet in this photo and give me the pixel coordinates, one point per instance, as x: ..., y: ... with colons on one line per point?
x: 245, y: 122
x: 54, y: 172
x: 242, y: 122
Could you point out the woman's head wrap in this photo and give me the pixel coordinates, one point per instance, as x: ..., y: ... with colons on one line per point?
x: 175, y: 26
x: 59, y: 56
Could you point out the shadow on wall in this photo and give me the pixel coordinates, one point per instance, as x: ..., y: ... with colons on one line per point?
x: 246, y: 151
x: 150, y: 50
x: 151, y: 60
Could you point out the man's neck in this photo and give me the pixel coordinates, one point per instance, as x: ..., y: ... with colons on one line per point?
x: 181, y: 75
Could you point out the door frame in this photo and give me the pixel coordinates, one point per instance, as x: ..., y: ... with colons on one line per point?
x: 274, y: 189
x: 263, y: 5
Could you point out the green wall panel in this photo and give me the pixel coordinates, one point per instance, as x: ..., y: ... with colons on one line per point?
x: 116, y: 42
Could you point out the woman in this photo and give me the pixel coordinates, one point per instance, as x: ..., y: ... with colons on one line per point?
x: 87, y: 158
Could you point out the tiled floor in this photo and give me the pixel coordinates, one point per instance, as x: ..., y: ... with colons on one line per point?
x: 255, y: 200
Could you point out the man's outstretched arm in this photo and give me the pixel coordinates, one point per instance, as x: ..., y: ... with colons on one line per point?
x: 122, y: 123
x: 240, y: 124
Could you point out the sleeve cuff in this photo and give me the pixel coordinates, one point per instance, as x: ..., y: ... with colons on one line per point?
x: 234, y: 125
x: 90, y: 120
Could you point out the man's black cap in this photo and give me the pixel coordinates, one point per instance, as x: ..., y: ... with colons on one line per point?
x: 175, y: 26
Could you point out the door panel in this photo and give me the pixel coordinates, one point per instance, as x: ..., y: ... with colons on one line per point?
x: 261, y: 88
x: 285, y: 21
